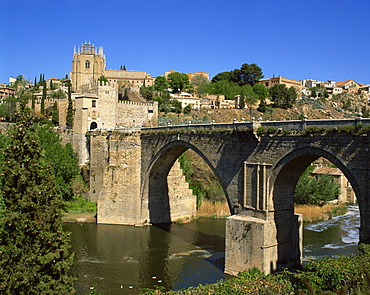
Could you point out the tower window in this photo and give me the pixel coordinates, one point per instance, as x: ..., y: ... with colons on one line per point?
x: 93, y: 103
x: 87, y: 64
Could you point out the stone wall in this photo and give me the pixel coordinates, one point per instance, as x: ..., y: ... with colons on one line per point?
x: 134, y: 114
x: 115, y: 181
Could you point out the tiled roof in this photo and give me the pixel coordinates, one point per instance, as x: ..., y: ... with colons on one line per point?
x: 327, y: 170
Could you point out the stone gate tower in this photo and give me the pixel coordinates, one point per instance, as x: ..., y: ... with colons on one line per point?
x: 87, y: 65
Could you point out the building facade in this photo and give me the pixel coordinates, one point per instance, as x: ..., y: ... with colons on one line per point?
x: 89, y: 64
x: 280, y: 80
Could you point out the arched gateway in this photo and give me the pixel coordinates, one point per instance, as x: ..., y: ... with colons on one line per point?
x: 257, y: 165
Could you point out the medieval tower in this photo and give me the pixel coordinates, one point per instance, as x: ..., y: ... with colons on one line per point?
x: 87, y: 66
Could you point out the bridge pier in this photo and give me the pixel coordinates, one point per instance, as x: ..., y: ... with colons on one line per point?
x: 253, y: 242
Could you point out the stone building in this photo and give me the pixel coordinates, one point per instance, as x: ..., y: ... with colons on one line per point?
x: 6, y: 92
x: 280, y: 80
x: 96, y: 103
x: 89, y: 64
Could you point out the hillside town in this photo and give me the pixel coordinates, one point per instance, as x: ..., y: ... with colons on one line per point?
x: 89, y: 65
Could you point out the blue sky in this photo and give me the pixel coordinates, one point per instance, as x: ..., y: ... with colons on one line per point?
x: 318, y: 39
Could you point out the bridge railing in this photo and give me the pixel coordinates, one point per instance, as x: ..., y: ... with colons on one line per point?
x: 287, y: 125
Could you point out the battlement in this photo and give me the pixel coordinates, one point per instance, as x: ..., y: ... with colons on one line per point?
x: 128, y: 102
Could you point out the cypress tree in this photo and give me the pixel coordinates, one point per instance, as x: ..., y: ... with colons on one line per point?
x: 35, y: 252
x: 44, y: 92
x: 55, y: 115
x: 69, y: 117
x: 124, y: 67
x: 33, y: 102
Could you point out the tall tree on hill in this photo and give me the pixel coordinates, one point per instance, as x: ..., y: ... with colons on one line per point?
x: 178, y: 82
x: 55, y: 115
x: 69, y: 117
x: 160, y: 84
x: 43, y: 98
x: 282, y: 96
x: 35, y: 252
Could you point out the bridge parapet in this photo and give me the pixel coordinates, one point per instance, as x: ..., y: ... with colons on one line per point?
x: 254, y: 125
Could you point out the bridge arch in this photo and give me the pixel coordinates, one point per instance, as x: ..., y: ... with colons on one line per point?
x: 283, y: 181
x: 155, y: 187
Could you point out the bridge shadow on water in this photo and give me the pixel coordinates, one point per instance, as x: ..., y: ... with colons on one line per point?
x: 214, y: 244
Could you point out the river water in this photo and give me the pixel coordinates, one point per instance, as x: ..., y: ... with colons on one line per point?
x: 122, y: 259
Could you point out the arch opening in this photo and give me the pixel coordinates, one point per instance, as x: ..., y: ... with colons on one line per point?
x: 93, y: 126
x: 166, y: 203
x: 289, y: 226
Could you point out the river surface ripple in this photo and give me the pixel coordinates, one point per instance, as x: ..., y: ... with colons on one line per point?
x: 121, y: 259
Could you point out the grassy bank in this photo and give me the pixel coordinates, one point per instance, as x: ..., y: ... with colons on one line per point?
x: 313, y: 213
x: 343, y: 275
x: 80, y: 210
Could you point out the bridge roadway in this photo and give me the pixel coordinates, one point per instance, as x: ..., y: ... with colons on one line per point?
x: 257, y: 170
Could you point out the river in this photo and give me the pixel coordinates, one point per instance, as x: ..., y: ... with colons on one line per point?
x: 122, y: 259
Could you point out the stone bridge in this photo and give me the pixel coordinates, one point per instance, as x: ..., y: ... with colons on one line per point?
x: 257, y: 164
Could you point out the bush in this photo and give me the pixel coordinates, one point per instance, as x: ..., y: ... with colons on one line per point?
x: 315, y: 190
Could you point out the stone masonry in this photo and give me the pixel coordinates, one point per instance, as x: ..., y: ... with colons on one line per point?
x: 258, y: 172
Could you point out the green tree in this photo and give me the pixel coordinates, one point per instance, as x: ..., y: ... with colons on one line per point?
x: 227, y: 88
x: 261, y: 91
x: 69, y: 116
x: 8, y: 108
x: 282, y: 96
x: 247, y: 74
x: 61, y: 158
x: 146, y: 92
x: 160, y: 84
x: 187, y: 109
x: 33, y: 99
x: 262, y: 107
x: 319, y: 92
x: 315, y: 190
x: 43, y: 98
x: 59, y: 94
x: 241, y: 101
x: 102, y: 80
x: 221, y: 76
x: 250, y: 97
x: 176, y: 105
x: 55, y: 115
x: 178, y: 82
x: 35, y: 252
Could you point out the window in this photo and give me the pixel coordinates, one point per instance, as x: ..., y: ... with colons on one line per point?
x: 93, y: 103
x: 93, y: 126
x: 87, y: 64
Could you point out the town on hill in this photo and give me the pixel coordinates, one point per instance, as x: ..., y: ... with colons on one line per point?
x: 92, y: 97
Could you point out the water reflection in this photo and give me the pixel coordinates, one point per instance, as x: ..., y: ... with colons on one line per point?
x: 122, y: 259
